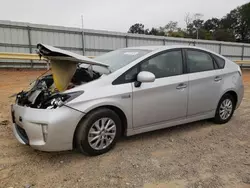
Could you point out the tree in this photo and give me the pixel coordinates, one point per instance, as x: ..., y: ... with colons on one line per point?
x: 188, y: 19
x: 223, y: 35
x: 245, y: 16
x: 212, y: 24
x: 137, y: 28
x: 238, y: 20
x: 235, y: 26
x: 179, y: 33
x: 171, y: 26
x: 198, y: 23
x: 155, y: 31
x: 162, y: 30
x: 146, y: 32
x: 193, y: 25
x: 191, y: 31
x: 205, y: 35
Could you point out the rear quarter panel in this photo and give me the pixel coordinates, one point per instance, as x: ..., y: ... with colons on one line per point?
x: 232, y: 80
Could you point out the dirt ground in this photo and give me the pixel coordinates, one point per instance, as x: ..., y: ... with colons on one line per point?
x: 195, y: 155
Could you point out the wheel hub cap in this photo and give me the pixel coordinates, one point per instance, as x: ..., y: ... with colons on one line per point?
x: 226, y: 108
x: 102, y: 133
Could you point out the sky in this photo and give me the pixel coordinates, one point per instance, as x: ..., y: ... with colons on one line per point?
x: 112, y: 15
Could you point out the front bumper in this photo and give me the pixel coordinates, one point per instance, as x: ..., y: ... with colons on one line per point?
x: 61, y: 124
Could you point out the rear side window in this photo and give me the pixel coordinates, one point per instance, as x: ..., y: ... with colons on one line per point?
x: 220, y: 62
x: 199, y: 61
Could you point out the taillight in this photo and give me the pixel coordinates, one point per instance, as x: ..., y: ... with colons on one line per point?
x: 240, y: 73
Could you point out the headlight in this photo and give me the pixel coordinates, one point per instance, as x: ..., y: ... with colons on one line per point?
x: 59, y: 99
x: 73, y: 95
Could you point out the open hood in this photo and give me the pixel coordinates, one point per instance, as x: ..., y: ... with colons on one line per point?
x: 64, y: 64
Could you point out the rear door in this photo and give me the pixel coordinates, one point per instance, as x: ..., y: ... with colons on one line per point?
x: 205, y: 82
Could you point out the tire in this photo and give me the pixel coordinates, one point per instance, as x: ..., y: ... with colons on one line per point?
x: 93, y: 122
x: 219, y: 119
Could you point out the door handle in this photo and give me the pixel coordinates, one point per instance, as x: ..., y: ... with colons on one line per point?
x: 126, y: 96
x: 181, y: 86
x: 217, y: 79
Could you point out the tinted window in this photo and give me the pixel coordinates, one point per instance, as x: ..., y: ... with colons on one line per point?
x: 220, y: 62
x: 164, y: 65
x: 127, y: 77
x: 199, y: 61
x: 130, y: 76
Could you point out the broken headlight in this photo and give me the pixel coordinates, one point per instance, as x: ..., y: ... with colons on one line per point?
x: 73, y: 95
x: 59, y: 99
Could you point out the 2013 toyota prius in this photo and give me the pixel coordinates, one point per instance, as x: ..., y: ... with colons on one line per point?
x: 89, y: 103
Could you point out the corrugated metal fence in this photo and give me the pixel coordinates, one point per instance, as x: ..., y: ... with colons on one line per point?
x: 23, y: 37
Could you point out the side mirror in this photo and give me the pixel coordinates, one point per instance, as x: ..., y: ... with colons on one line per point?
x: 144, y: 77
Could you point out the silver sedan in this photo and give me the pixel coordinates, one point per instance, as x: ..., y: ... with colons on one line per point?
x: 89, y: 103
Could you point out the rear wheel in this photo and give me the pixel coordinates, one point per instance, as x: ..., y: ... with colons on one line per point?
x: 98, y: 132
x: 225, y: 109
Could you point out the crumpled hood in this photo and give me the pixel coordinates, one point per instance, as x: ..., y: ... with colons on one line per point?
x: 64, y: 64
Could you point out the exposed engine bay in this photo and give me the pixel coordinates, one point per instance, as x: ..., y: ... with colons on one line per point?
x: 47, y: 91
x: 43, y: 93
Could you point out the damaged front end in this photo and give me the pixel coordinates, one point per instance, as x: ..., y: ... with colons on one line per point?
x: 47, y: 92
x: 43, y: 97
x: 44, y: 94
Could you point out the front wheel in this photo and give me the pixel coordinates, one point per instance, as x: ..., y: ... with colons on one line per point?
x: 225, y: 109
x: 98, y: 132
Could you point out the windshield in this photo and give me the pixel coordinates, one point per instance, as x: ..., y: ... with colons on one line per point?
x: 119, y: 58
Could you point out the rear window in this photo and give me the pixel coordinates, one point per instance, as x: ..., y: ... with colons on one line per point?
x: 220, y: 62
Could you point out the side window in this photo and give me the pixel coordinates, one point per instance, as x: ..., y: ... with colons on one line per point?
x: 130, y: 76
x: 164, y: 65
x: 220, y: 62
x: 127, y: 77
x: 199, y: 61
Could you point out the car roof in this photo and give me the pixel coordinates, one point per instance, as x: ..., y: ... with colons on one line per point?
x: 151, y: 48
x: 159, y: 48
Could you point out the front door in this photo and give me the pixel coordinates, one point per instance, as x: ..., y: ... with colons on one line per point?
x: 165, y: 99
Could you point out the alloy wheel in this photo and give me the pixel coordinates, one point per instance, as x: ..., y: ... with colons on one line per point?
x: 226, y: 109
x: 102, y: 133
